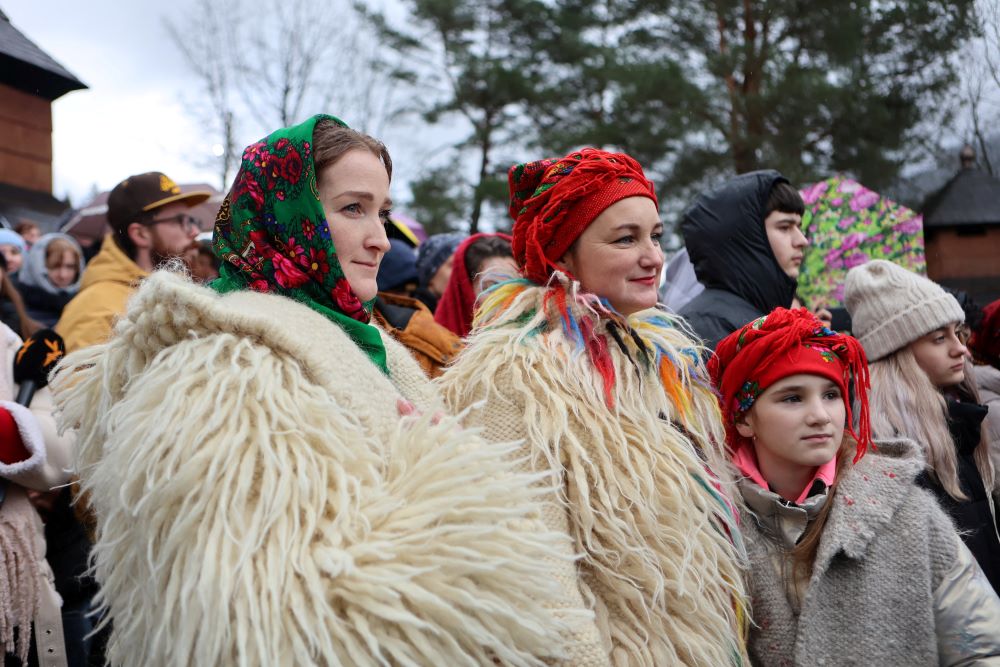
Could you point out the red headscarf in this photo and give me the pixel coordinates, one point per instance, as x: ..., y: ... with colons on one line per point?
x: 458, y: 303
x: 552, y: 201
x: 985, y: 341
x: 788, y: 342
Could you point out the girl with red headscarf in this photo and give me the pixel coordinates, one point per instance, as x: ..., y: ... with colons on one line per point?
x: 480, y: 261
x: 617, y: 417
x: 851, y: 562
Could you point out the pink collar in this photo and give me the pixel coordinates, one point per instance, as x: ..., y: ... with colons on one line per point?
x: 745, y: 460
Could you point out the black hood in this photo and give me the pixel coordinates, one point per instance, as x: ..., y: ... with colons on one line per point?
x: 725, y: 237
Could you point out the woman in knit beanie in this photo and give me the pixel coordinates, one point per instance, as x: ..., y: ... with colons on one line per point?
x: 921, y: 391
x: 852, y: 563
x: 270, y: 483
x: 434, y: 266
x: 617, y: 416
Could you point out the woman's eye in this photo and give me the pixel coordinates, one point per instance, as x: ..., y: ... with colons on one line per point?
x: 385, y: 214
x: 656, y: 236
x: 832, y: 395
x: 352, y: 208
x: 790, y: 399
x: 625, y: 239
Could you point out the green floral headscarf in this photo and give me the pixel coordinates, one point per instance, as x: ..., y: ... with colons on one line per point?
x: 271, y: 235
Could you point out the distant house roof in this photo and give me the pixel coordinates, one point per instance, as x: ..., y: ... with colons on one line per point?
x: 19, y: 204
x: 26, y: 67
x: 972, y: 197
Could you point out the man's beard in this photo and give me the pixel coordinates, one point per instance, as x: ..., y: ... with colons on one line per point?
x: 161, y: 256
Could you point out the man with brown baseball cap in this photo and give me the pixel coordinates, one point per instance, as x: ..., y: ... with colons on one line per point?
x: 150, y: 224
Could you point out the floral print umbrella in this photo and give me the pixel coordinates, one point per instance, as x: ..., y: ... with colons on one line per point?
x: 847, y: 224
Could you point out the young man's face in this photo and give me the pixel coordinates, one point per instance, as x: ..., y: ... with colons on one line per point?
x: 784, y: 232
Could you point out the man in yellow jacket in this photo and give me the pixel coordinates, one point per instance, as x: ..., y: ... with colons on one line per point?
x: 150, y: 224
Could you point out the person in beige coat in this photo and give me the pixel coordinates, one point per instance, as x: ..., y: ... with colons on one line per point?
x: 259, y: 498
x: 613, y: 404
x: 35, y: 458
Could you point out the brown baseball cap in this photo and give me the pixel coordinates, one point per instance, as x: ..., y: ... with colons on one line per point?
x: 142, y: 193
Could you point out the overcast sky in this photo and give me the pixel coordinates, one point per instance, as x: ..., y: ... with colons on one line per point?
x: 132, y: 116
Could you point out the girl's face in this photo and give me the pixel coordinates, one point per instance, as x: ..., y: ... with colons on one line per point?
x: 13, y: 256
x: 618, y: 257
x: 63, y: 268
x: 797, y: 423
x: 941, y: 355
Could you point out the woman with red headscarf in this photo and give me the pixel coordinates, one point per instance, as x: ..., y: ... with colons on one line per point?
x: 851, y: 562
x: 480, y: 261
x: 617, y: 415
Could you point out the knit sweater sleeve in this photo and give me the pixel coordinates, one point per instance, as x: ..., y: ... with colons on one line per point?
x: 966, y: 608
x: 245, y: 517
x: 503, y: 420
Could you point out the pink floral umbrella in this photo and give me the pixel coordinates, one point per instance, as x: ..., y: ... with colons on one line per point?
x: 847, y: 224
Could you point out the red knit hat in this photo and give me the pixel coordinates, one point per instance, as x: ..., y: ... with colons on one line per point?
x: 788, y: 342
x: 553, y: 200
x: 985, y: 341
x: 458, y: 303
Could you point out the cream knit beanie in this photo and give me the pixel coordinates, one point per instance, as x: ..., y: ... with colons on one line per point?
x: 891, y: 307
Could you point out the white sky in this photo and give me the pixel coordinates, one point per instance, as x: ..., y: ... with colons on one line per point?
x: 132, y: 117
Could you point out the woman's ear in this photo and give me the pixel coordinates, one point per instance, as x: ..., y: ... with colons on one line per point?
x: 744, y: 428
x: 566, y: 262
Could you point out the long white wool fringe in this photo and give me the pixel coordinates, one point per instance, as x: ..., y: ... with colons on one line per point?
x: 652, y: 549
x: 245, y: 519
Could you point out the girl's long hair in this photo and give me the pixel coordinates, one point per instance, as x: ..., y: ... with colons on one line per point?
x: 905, y: 403
x: 803, y: 555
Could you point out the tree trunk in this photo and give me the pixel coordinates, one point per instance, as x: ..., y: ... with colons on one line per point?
x: 484, y: 164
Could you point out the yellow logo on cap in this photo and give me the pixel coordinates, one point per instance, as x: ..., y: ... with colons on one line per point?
x: 167, y: 185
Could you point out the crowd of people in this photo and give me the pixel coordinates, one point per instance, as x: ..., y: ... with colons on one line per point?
x: 294, y: 440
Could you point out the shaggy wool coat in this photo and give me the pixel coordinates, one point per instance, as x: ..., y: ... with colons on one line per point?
x: 892, y: 583
x: 625, y: 483
x: 260, y: 501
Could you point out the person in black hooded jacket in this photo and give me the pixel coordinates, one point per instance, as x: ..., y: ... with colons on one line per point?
x: 746, y: 243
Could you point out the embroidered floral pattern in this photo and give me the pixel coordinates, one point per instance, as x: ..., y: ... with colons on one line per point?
x: 272, y: 236
x: 277, y: 234
x: 745, y: 397
x: 847, y: 225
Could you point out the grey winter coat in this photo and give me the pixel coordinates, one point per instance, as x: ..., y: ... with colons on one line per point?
x: 892, y: 583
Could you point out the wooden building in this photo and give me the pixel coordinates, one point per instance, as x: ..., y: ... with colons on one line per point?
x: 30, y: 80
x: 962, y: 232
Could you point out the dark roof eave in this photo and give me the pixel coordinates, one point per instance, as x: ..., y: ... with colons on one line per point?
x: 36, y: 80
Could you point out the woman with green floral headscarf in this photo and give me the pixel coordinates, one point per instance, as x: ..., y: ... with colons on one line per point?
x: 260, y: 499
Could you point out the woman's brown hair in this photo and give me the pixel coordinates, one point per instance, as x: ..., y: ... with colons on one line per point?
x: 57, y: 248
x: 332, y: 141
